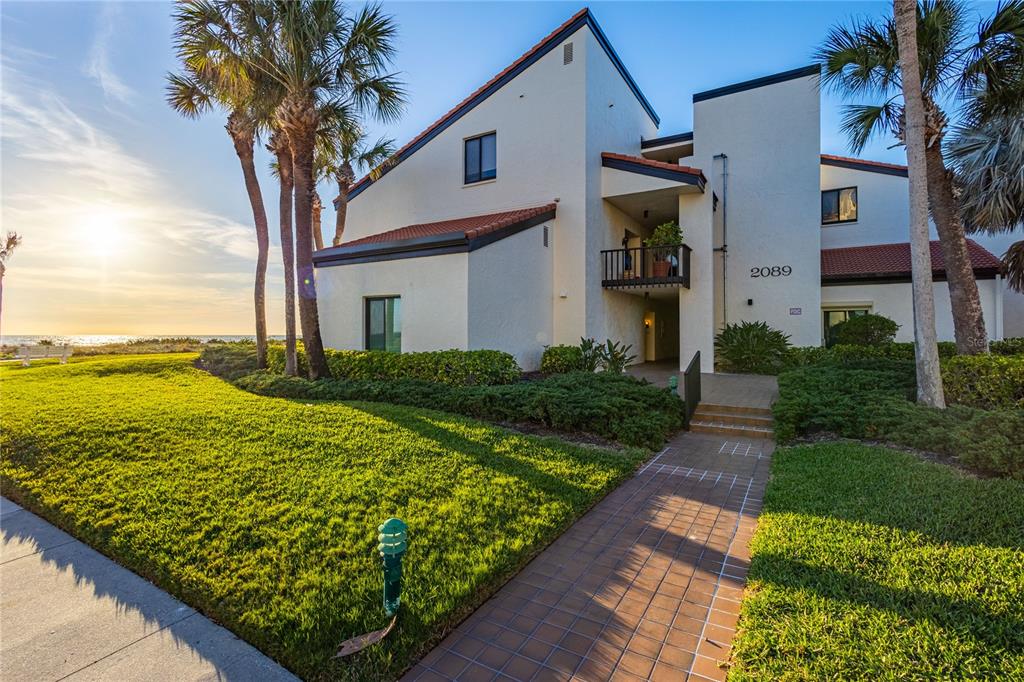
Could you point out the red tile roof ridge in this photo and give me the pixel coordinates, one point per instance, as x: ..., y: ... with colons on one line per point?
x: 689, y: 170
x: 471, y: 227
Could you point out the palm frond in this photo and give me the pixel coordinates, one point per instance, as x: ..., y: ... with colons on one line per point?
x: 988, y: 162
x: 862, y: 122
x: 187, y: 96
x: 1013, y: 266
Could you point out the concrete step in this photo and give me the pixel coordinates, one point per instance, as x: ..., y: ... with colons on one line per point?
x: 731, y: 430
x: 735, y: 409
x: 705, y: 414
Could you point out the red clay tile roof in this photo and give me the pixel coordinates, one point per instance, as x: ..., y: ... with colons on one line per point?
x: 881, y: 260
x: 862, y: 162
x: 470, y: 227
x: 688, y: 170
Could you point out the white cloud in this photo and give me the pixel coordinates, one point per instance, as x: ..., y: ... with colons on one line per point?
x: 109, y: 242
x: 97, y: 65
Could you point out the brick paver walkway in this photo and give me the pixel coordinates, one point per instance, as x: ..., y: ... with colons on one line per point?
x: 646, y: 585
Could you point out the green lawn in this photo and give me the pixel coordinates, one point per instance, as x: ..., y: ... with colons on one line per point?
x: 871, y: 564
x: 262, y: 512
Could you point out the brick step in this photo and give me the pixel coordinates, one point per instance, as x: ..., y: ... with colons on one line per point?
x: 735, y: 409
x: 733, y: 430
x: 707, y: 415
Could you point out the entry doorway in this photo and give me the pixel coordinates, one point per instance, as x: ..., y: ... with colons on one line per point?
x: 661, y: 330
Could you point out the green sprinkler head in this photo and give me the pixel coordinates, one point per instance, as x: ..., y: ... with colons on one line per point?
x: 392, y: 545
x: 673, y: 384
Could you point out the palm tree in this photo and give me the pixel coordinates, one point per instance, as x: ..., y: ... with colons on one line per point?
x: 7, y: 247
x: 318, y: 54
x: 353, y: 151
x: 987, y: 151
x: 278, y: 146
x: 864, y: 60
x: 926, y: 350
x: 205, y: 84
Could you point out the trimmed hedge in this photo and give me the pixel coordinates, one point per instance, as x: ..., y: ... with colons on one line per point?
x: 865, y: 330
x: 1014, y: 346
x: 616, y: 407
x: 988, y: 382
x: 452, y: 367
x: 874, y: 402
x: 804, y: 356
x: 561, y: 359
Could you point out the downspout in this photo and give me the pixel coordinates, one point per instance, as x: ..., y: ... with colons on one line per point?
x: 725, y: 236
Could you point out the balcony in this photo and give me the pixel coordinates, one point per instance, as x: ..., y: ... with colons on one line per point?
x: 646, y: 269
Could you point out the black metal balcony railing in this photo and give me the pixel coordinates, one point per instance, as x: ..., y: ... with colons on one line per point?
x: 646, y: 266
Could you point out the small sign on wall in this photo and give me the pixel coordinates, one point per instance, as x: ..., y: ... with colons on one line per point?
x: 796, y: 311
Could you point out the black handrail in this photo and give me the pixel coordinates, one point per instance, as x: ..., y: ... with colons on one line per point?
x: 691, y: 389
x: 646, y: 266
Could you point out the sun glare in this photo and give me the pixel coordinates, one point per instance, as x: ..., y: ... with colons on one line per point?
x: 101, y: 232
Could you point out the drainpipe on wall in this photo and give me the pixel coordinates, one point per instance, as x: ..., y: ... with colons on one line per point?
x: 725, y: 236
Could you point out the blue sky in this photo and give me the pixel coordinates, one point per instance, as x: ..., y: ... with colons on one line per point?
x: 135, y: 220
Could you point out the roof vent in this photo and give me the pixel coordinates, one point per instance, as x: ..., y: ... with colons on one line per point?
x: 567, y: 54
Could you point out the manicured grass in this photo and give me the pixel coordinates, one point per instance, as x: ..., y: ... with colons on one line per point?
x: 262, y: 512
x: 871, y: 564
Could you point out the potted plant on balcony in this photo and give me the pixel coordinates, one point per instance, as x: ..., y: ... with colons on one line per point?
x: 665, y: 240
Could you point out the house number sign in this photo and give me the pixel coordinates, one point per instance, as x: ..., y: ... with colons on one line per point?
x: 772, y: 271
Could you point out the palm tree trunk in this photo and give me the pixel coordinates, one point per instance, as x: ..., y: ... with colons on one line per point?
x: 344, y: 178
x: 279, y: 146
x: 926, y: 351
x: 318, y: 209
x: 301, y: 127
x: 243, y: 135
x: 968, y: 320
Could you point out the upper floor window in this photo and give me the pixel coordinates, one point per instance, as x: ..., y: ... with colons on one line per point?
x: 481, y: 158
x: 839, y: 206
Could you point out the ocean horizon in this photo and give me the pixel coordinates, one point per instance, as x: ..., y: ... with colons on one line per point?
x: 109, y: 339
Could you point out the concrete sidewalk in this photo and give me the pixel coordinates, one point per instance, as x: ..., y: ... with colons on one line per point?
x: 69, y: 613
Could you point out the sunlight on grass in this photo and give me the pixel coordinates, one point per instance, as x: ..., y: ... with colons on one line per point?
x: 262, y: 512
x: 870, y: 564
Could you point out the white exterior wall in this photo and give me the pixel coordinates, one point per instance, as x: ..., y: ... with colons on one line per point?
x: 896, y: 301
x: 539, y: 120
x: 771, y: 136
x: 433, y: 291
x: 615, y: 122
x: 883, y: 213
x: 511, y: 296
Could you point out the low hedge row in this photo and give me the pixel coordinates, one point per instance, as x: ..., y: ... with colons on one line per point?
x: 616, y: 407
x: 875, y: 402
x: 988, y: 382
x: 803, y: 356
x: 561, y: 359
x: 452, y: 367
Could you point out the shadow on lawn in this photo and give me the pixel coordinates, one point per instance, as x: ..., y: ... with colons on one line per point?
x: 63, y: 588
x: 485, y: 452
x: 630, y: 583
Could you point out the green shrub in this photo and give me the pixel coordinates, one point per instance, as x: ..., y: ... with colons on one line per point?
x: 865, y: 330
x: 985, y: 381
x: 615, y: 356
x: 561, y: 359
x: 228, y: 360
x: 1014, y: 346
x: 802, y: 356
x: 589, y: 356
x: 751, y: 348
x: 873, y: 400
x: 455, y: 367
x: 616, y: 407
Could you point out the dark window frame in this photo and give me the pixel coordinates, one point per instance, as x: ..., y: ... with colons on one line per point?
x: 479, y: 171
x: 367, y: 301
x: 826, y: 337
x: 838, y: 191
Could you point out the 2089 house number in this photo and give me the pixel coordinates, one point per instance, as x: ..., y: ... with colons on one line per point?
x: 772, y: 271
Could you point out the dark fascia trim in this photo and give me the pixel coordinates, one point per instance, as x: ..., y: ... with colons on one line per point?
x: 418, y: 247
x: 897, y: 277
x: 668, y: 139
x: 864, y: 166
x: 663, y: 173
x: 802, y: 72
x: 587, y: 19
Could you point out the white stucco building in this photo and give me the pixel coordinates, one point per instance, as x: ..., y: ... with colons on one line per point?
x: 516, y: 221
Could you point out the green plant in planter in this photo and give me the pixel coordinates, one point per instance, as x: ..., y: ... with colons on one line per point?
x: 666, y: 234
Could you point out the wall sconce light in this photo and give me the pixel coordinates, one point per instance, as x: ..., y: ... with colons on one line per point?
x: 647, y: 324
x: 750, y: 301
